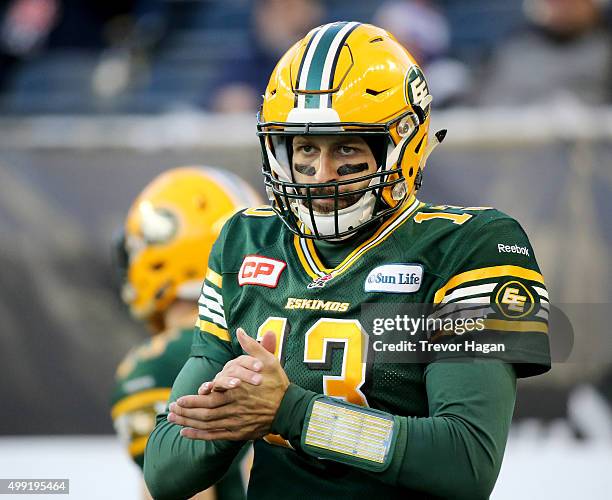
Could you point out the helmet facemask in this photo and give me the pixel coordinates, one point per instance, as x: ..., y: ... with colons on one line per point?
x: 293, y: 200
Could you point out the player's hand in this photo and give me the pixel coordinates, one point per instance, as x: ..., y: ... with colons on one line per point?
x: 241, y: 369
x: 246, y: 411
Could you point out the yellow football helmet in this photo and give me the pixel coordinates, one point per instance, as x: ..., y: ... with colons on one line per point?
x: 353, y: 79
x: 168, y: 234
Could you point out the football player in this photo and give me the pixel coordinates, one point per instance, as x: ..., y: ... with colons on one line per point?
x: 344, y: 131
x: 162, y: 257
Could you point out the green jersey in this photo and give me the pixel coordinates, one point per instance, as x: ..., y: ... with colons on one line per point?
x: 464, y: 262
x: 143, y: 382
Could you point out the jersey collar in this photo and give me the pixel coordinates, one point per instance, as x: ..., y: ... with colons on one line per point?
x: 312, y: 264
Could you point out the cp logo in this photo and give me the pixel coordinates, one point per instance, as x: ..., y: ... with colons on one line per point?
x: 262, y: 271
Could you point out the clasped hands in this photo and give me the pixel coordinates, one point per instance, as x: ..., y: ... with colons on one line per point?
x: 241, y: 402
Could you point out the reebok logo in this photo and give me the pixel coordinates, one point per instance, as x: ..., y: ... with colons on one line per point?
x: 501, y: 248
x: 262, y: 271
x: 320, y: 282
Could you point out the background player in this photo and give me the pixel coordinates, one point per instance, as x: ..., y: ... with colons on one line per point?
x: 162, y: 257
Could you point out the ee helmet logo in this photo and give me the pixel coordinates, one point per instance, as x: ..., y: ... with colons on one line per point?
x: 417, y: 92
x: 262, y: 271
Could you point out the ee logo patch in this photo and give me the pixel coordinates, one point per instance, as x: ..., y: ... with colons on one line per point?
x: 514, y: 300
x: 417, y: 91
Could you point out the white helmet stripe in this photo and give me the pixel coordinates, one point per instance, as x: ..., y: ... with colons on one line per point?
x: 307, y: 61
x: 320, y: 60
x: 332, y: 55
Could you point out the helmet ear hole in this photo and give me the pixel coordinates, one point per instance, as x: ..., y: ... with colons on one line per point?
x: 157, y: 266
x: 411, y: 172
x: 418, y: 181
x: 201, y: 203
x: 419, y: 145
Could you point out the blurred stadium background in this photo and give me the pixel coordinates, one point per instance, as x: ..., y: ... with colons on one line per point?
x: 97, y: 97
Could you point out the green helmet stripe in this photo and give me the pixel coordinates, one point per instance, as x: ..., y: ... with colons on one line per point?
x: 317, y: 63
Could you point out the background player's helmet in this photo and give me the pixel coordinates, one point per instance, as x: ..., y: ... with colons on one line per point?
x: 354, y: 79
x: 168, y: 234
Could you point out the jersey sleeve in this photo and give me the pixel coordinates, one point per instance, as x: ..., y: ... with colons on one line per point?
x: 177, y: 467
x: 493, y: 302
x: 212, y: 337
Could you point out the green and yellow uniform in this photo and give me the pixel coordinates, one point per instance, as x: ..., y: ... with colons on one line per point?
x: 353, y: 424
x: 143, y: 384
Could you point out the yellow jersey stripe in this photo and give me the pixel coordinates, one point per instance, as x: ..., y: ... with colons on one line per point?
x: 215, y: 278
x: 487, y: 272
x: 262, y: 211
x: 308, y: 255
x: 515, y: 326
x: 140, y: 400
x: 315, y: 256
x: 217, y: 331
x: 456, y: 218
x: 137, y: 446
x: 302, y: 258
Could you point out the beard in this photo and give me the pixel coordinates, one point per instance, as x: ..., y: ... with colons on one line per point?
x: 328, y: 205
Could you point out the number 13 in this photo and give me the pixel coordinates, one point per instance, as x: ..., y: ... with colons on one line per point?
x: 320, y: 340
